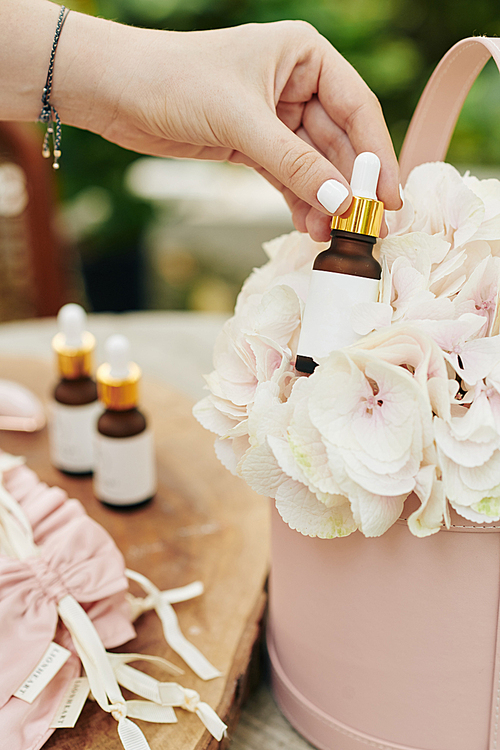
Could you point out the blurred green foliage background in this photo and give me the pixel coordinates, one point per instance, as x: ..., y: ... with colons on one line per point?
x: 394, y: 44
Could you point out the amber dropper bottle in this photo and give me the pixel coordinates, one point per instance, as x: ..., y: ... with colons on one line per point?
x: 75, y: 409
x: 346, y: 273
x: 125, y: 472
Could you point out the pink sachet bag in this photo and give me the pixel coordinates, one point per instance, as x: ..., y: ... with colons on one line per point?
x: 63, y: 581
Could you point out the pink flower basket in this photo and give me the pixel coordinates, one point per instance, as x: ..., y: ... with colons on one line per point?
x: 387, y: 642
x: 393, y: 643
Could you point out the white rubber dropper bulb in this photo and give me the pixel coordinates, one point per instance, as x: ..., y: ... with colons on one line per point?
x: 72, y: 322
x: 365, y: 175
x: 117, y: 349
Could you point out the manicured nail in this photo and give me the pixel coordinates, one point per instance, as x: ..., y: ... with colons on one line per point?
x: 332, y: 194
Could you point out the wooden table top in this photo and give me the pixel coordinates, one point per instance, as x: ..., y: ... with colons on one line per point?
x: 204, y: 524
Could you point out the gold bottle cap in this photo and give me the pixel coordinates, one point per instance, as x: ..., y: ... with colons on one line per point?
x: 74, y: 362
x: 364, y: 217
x: 118, y: 394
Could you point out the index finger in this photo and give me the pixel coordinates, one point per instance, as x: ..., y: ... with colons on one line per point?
x: 352, y: 105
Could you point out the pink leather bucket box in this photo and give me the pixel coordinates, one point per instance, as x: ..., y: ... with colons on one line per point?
x: 394, y: 642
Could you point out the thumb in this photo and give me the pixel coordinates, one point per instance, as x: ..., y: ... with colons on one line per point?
x: 298, y: 166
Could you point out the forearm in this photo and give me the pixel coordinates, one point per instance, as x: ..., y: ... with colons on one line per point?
x: 90, y: 53
x: 273, y: 96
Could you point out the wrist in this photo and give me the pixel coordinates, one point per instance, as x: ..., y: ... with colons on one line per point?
x: 91, y: 71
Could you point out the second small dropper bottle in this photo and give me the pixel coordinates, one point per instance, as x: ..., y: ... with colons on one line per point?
x: 346, y: 273
x: 125, y: 471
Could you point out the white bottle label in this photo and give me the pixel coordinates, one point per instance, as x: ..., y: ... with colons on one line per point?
x: 125, y: 471
x: 71, y: 435
x: 326, y: 325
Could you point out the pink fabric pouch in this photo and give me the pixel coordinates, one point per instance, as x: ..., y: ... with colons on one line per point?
x: 394, y: 643
x: 77, y: 556
x: 63, y: 580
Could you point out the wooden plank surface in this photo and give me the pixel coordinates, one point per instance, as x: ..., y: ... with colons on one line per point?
x: 204, y: 524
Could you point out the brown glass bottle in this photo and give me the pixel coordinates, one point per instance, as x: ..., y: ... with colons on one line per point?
x: 121, y: 424
x: 125, y: 474
x: 70, y: 426
x: 346, y: 274
x: 75, y: 407
x: 76, y: 392
x: 350, y: 253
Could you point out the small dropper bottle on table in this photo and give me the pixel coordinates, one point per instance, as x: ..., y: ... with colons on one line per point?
x: 75, y: 407
x: 346, y: 273
x: 125, y: 472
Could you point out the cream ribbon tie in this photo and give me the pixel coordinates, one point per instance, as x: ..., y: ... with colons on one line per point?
x: 168, y: 695
x: 160, y: 601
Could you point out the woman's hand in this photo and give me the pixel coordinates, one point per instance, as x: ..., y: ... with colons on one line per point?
x: 277, y: 97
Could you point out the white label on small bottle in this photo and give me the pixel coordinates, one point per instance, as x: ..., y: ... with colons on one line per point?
x: 125, y: 471
x: 71, y: 436
x: 49, y: 665
x: 326, y: 325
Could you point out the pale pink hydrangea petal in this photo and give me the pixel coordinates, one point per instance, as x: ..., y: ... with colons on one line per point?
x: 456, y: 490
x: 228, y: 408
x: 407, y: 283
x: 269, y: 356
x: 489, y: 193
x: 302, y: 511
x: 211, y: 418
x: 478, y: 357
x: 472, y: 515
x: 462, y: 452
x: 230, y: 451
x: 300, y: 451
x: 475, y: 423
x: 454, y: 262
x: 375, y: 514
x: 400, y: 222
x: 370, y: 316
x: 390, y: 483
x: 417, y: 247
x: 453, y: 336
x: 409, y: 347
x: 443, y: 204
x: 259, y: 468
x: 384, y: 294
x: 489, y: 507
x: 479, y: 294
x: 277, y: 316
x: 268, y: 416
x: 432, y: 513
x: 484, y: 477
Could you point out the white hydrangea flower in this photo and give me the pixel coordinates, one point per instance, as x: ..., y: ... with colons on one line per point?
x: 412, y: 408
x: 469, y: 454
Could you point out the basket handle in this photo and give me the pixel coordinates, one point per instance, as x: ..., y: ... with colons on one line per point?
x: 435, y: 117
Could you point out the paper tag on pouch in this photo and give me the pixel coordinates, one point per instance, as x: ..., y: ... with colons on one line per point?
x: 72, y: 704
x: 49, y: 665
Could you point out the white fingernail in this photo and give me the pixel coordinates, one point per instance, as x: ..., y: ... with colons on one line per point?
x: 332, y: 194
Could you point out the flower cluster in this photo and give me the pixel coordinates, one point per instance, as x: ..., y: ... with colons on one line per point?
x: 413, y: 408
